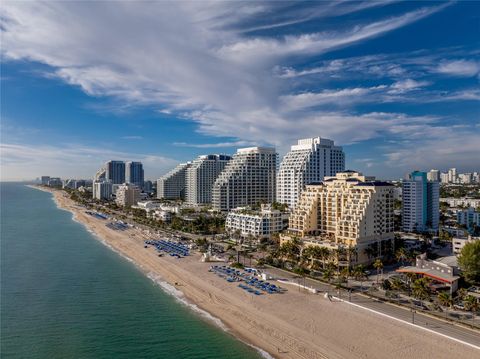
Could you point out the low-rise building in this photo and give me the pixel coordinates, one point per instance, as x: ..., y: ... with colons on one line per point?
x: 444, y: 271
x: 148, y: 205
x: 459, y: 242
x: 127, y: 195
x: 469, y: 218
x: 462, y: 202
x: 257, y: 224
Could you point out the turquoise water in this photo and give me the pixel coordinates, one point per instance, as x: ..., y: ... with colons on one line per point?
x: 66, y: 295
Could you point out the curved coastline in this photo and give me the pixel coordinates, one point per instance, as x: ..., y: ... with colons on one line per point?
x: 281, y: 325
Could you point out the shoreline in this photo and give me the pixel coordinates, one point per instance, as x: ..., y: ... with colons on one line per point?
x: 291, y: 325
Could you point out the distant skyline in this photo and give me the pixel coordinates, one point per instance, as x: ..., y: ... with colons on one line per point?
x: 395, y: 83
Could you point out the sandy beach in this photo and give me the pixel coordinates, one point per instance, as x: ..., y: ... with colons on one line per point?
x: 290, y: 325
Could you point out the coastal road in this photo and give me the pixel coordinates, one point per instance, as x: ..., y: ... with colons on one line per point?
x: 462, y: 334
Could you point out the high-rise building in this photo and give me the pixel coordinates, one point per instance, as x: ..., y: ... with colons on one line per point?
x: 420, y: 206
x: 102, y: 190
x: 350, y: 214
x: 134, y: 173
x: 444, y: 177
x: 45, y: 180
x: 248, y: 179
x: 433, y: 176
x: 309, y: 161
x: 127, y: 195
x: 452, y: 175
x: 201, y: 176
x: 172, y: 185
x: 115, y: 172
x: 148, y: 186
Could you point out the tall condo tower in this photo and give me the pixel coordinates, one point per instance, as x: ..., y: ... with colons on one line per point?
x: 134, y: 173
x: 172, y: 185
x: 309, y: 161
x: 420, y: 205
x: 115, y: 172
x: 248, y: 179
x: 201, y: 176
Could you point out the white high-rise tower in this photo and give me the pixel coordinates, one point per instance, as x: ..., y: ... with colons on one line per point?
x: 309, y: 161
x: 248, y: 179
x: 201, y: 176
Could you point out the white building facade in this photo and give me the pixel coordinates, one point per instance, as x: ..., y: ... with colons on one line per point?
x: 172, y: 185
x: 309, y: 161
x: 258, y: 224
x: 201, y: 176
x: 102, y: 190
x: 248, y: 179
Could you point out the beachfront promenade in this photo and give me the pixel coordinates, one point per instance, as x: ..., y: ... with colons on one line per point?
x: 456, y: 332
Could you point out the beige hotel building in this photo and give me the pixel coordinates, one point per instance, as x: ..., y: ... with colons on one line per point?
x: 347, y: 210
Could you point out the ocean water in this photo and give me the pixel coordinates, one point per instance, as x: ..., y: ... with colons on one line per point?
x: 65, y: 295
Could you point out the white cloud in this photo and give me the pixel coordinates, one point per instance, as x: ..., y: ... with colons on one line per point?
x: 216, y: 145
x: 195, y: 60
x: 266, y: 48
x: 407, y: 85
x: 462, y: 68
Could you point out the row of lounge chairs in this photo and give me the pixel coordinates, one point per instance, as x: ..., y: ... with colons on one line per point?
x: 174, y: 249
x: 252, y: 284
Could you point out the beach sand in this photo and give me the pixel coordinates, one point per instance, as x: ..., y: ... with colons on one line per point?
x: 290, y: 325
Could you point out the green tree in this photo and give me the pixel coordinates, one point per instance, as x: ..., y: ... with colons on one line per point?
x: 378, y: 265
x: 402, y: 255
x: 471, y: 303
x: 445, y: 299
x: 420, y: 289
x: 328, y: 274
x: 469, y: 261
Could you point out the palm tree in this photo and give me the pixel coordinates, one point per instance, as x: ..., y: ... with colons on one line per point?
x: 397, y: 284
x: 420, y: 289
x: 327, y: 274
x: 471, y: 303
x: 445, y: 299
x: 401, y: 255
x: 378, y: 265
x: 323, y: 253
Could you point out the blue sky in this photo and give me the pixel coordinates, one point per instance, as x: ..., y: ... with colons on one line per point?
x: 395, y: 83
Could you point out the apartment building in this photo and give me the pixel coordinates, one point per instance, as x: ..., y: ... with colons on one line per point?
x: 127, y: 195
x: 134, y: 173
x: 348, y: 210
x: 421, y: 203
x: 102, y: 190
x: 258, y: 224
x: 310, y: 160
x: 469, y: 218
x: 173, y: 184
x: 247, y: 179
x: 115, y: 172
x: 201, y: 176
